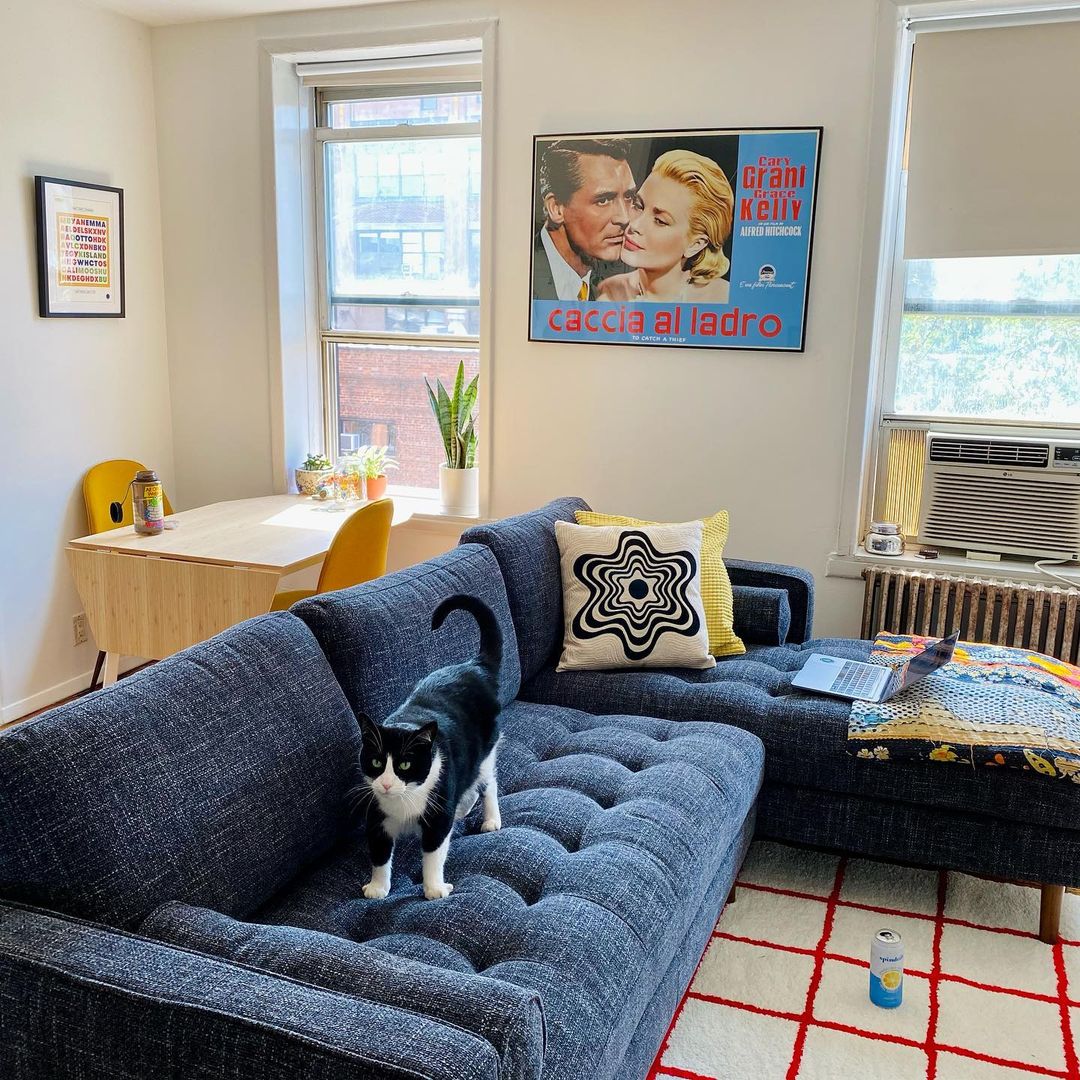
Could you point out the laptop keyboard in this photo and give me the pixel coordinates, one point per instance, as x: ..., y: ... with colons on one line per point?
x: 855, y: 679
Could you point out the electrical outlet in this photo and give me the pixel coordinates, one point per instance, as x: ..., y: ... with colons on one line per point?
x: 78, y: 629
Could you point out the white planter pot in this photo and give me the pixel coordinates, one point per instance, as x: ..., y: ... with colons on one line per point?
x: 459, y: 490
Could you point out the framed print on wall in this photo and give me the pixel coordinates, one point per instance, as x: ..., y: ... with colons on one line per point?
x: 80, y: 237
x: 692, y: 239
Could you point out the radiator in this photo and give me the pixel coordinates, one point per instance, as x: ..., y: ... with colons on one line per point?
x: 1020, y: 614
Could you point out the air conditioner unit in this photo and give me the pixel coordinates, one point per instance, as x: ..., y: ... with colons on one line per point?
x: 1015, y: 496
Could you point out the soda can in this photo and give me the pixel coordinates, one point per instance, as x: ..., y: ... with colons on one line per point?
x: 887, y: 969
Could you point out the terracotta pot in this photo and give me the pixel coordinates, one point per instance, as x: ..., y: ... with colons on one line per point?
x: 459, y: 490
x: 376, y: 486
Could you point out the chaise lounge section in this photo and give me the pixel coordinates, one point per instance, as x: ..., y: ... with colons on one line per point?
x: 1000, y: 823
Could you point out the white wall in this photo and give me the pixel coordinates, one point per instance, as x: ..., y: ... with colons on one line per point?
x: 78, y: 104
x: 654, y: 432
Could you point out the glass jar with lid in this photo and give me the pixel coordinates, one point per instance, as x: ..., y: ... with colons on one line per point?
x: 884, y: 539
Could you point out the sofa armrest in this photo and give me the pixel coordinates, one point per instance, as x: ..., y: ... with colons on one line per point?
x: 507, y: 1016
x: 762, y: 616
x: 796, y: 582
x: 81, y: 1000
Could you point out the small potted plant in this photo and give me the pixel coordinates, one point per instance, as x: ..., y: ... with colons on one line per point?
x: 459, y: 479
x: 374, y: 463
x: 315, y: 470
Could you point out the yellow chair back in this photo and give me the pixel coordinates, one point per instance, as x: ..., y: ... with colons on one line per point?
x: 358, y: 550
x: 106, y: 483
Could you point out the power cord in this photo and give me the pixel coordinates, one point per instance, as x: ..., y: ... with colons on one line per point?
x: 1041, y: 564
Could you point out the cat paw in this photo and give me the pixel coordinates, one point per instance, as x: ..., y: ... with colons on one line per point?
x: 438, y: 892
x: 491, y: 825
x: 375, y: 892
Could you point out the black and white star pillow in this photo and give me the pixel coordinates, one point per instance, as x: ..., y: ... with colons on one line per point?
x: 632, y: 596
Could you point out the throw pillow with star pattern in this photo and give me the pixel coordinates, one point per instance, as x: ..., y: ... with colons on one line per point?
x: 632, y: 597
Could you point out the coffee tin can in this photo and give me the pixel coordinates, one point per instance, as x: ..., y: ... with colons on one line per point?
x: 147, y: 503
x: 887, y: 969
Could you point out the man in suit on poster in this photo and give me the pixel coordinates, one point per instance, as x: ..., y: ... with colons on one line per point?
x: 587, y: 190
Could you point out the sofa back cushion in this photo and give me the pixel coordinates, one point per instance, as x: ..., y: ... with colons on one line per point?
x: 378, y: 635
x: 211, y: 777
x: 528, y: 557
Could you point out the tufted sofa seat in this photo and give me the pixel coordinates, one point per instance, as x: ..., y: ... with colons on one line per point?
x: 614, y: 830
x: 996, y: 822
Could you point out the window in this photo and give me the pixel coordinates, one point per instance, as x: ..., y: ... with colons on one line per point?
x: 377, y: 404
x: 982, y: 325
x: 400, y: 222
x: 991, y: 338
x: 356, y: 431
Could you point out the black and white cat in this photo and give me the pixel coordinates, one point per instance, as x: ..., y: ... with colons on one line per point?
x: 428, y: 763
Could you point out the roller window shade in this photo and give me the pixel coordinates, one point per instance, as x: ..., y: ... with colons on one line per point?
x: 461, y: 66
x: 994, y: 142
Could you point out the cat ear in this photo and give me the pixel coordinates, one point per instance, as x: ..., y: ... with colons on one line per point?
x: 368, y: 727
x: 427, y: 733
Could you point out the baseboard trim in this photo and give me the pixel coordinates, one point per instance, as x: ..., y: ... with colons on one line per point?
x: 53, y: 695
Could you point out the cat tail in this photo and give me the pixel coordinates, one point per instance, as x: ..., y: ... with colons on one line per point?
x: 491, y: 637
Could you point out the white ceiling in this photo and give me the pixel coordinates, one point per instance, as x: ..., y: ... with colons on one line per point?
x: 166, y: 12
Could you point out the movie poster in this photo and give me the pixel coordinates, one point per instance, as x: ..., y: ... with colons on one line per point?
x: 697, y: 239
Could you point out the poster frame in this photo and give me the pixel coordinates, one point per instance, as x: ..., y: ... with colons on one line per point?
x: 55, y: 300
x: 668, y: 133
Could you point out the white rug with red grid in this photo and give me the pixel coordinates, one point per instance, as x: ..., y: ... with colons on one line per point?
x: 781, y: 991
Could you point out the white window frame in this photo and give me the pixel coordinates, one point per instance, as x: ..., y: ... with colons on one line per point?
x: 878, y: 330
x: 329, y: 337
x: 297, y: 392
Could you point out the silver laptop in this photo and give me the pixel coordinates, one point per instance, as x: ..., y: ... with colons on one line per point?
x: 857, y: 681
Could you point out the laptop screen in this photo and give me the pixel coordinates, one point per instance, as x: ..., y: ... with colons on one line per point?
x: 930, y: 659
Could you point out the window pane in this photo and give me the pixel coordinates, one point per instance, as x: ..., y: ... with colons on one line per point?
x: 415, y: 195
x: 382, y: 401
x: 995, y: 338
x: 399, y: 318
x: 460, y: 108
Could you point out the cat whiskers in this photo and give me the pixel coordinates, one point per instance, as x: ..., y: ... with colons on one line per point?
x: 358, y: 797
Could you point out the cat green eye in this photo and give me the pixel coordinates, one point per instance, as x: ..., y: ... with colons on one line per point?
x: 404, y: 766
x: 376, y: 763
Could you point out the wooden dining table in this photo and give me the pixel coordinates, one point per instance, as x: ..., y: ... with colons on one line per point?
x: 151, y: 596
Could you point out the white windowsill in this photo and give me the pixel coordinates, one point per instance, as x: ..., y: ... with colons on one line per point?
x: 950, y: 562
x: 428, y: 513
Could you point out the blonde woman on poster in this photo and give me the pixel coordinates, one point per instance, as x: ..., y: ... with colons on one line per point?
x: 675, y: 239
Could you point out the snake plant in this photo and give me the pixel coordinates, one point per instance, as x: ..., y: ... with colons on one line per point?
x: 454, y: 415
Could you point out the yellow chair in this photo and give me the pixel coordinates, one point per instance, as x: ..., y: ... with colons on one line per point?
x: 357, y: 553
x: 106, y: 483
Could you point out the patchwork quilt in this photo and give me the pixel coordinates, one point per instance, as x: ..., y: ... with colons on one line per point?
x: 989, y: 707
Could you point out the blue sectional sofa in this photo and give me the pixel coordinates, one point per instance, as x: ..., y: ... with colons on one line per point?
x: 181, y: 864
x: 181, y: 872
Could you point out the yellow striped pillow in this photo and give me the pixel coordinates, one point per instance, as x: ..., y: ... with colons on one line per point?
x: 715, y: 584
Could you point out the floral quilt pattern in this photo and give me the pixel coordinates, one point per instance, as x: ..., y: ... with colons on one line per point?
x: 989, y: 707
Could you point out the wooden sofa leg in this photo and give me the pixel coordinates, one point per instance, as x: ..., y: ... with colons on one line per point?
x: 731, y: 896
x: 1050, y: 913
